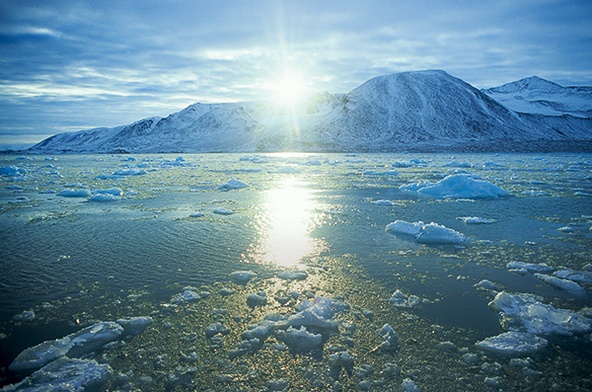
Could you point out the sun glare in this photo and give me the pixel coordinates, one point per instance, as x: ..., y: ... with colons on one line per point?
x: 289, y: 88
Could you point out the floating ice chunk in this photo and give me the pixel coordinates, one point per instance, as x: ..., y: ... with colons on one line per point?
x: 401, y: 164
x: 188, y: 295
x: 300, y: 340
x: 562, y: 284
x: 294, y: 275
x: 339, y: 360
x: 512, y: 344
x: 257, y: 299
x: 576, y: 276
x: 405, y: 228
x: 523, y: 312
x: 75, y: 193
x: 530, y: 267
x: 223, y: 211
x: 487, y: 285
x: 431, y: 233
x: 130, y: 172
x: 254, y: 159
x: 390, y: 344
x: 216, y: 329
x: 232, y: 184
x: 135, y: 325
x: 434, y: 233
x: 409, y: 386
x: 104, y: 197
x: 386, y: 203
x: 492, y: 165
x: 242, y: 277
x: 77, y: 344
x: 109, y: 191
x: 278, y: 385
x: 400, y: 300
x: 12, y: 171
x: 457, y: 186
x: 319, y: 315
x: 475, y: 220
x: 25, y: 315
x: 66, y: 374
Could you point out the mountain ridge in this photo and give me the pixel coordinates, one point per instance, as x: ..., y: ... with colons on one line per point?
x: 420, y: 110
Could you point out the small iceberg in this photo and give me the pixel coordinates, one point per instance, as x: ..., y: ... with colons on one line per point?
x: 522, y: 267
x: 512, y: 344
x: 562, y: 284
x: 242, y: 277
x: 75, y: 193
x: 476, y: 220
x: 223, y: 211
x: 458, y: 186
x: 431, y: 233
x: 401, y: 300
x: 524, y: 313
x: 294, y: 275
x: 232, y: 184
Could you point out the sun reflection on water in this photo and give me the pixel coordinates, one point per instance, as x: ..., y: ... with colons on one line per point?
x: 288, y: 213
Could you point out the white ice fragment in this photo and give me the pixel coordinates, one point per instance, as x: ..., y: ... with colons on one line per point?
x: 66, y: 374
x: 109, y: 191
x: 216, y: 329
x: 409, y: 386
x: 457, y: 164
x: 300, y: 340
x: 25, y: 315
x: 188, y: 295
x: 232, y: 184
x: 75, y: 193
x: 257, y: 299
x: 576, y: 276
x: 104, y: 197
x: 242, y: 277
x: 405, y: 228
x: 223, y: 211
x: 278, y: 385
x: 434, y: 233
x: 11, y: 171
x: 523, y: 312
x: 563, y: 284
x: 487, y: 285
x: 130, y: 172
x: 386, y: 203
x: 566, y: 229
x: 390, y: 343
x: 457, y: 186
x: 135, y: 325
x: 319, y: 314
x: 294, y: 275
x: 512, y: 344
x: 400, y: 300
x: 530, y: 267
x: 77, y: 344
x: 431, y: 233
x: 475, y: 220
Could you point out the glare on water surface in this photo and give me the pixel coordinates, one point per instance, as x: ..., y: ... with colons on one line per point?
x: 288, y: 211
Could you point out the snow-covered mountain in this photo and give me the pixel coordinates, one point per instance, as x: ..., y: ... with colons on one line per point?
x: 539, y: 96
x: 422, y: 111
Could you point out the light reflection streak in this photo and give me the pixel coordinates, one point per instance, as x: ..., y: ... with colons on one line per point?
x: 288, y: 211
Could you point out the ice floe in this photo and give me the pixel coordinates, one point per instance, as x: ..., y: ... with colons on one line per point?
x: 293, y: 275
x: 525, y: 313
x: 400, y: 300
x: 75, y: 193
x: 431, y: 233
x: 66, y: 374
x: 522, y: 267
x: 513, y: 344
x: 223, y: 211
x: 242, y: 277
x: 25, y: 315
x: 475, y: 220
x: 457, y: 187
x: 576, y: 276
x: 232, y: 184
x: 563, y: 284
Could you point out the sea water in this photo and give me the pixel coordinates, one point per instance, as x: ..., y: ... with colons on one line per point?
x: 89, y: 238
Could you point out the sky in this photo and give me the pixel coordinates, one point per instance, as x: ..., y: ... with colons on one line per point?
x: 69, y: 65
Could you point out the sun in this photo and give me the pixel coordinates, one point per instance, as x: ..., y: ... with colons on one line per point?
x: 289, y: 88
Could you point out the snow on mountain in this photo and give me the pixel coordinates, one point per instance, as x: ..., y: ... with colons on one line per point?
x: 539, y: 96
x: 422, y: 111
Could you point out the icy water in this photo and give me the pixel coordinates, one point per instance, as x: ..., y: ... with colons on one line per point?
x: 74, y: 261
